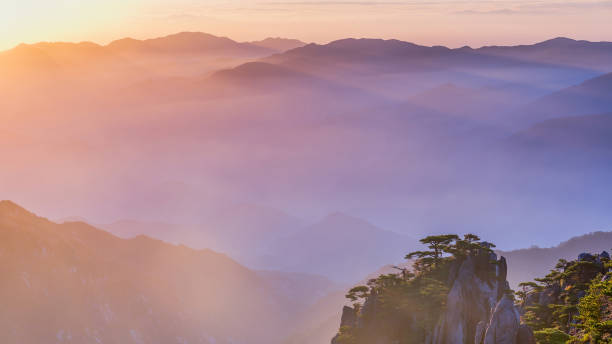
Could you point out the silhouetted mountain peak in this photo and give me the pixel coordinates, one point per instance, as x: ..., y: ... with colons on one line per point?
x: 558, y: 41
x: 352, y: 47
x: 594, y: 56
x: 124, y: 43
x: 187, y: 42
x: 279, y: 43
x: 192, y: 37
x: 381, y: 45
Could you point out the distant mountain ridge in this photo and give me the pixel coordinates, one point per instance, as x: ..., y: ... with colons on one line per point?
x: 351, y: 50
x: 401, y: 68
x: 189, y: 53
x: 560, y: 50
x: 244, y: 231
x: 125, y: 60
x: 264, y: 239
x: 279, y: 44
x: 366, y: 50
x: 255, y: 129
x: 188, y: 42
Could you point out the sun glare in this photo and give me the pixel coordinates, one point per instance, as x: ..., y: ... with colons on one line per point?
x: 67, y: 20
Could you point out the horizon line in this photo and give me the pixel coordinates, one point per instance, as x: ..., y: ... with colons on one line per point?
x: 291, y: 38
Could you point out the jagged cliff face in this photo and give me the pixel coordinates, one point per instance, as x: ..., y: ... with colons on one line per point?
x: 478, y: 309
x: 574, y: 301
x: 574, y: 278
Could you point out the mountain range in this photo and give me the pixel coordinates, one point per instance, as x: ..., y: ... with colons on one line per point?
x: 188, y: 43
x: 146, y: 290
x: 243, y: 231
x: 339, y: 246
x: 82, y: 284
x: 31, y: 66
x: 560, y: 50
x: 255, y: 181
x: 394, y: 132
x: 264, y: 238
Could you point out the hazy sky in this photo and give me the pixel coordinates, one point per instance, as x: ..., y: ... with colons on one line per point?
x: 447, y: 22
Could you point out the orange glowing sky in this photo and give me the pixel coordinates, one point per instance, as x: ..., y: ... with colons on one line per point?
x: 447, y: 22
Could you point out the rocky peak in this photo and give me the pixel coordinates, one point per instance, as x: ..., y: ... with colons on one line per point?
x: 571, y: 302
x: 477, y: 307
x: 580, y: 272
